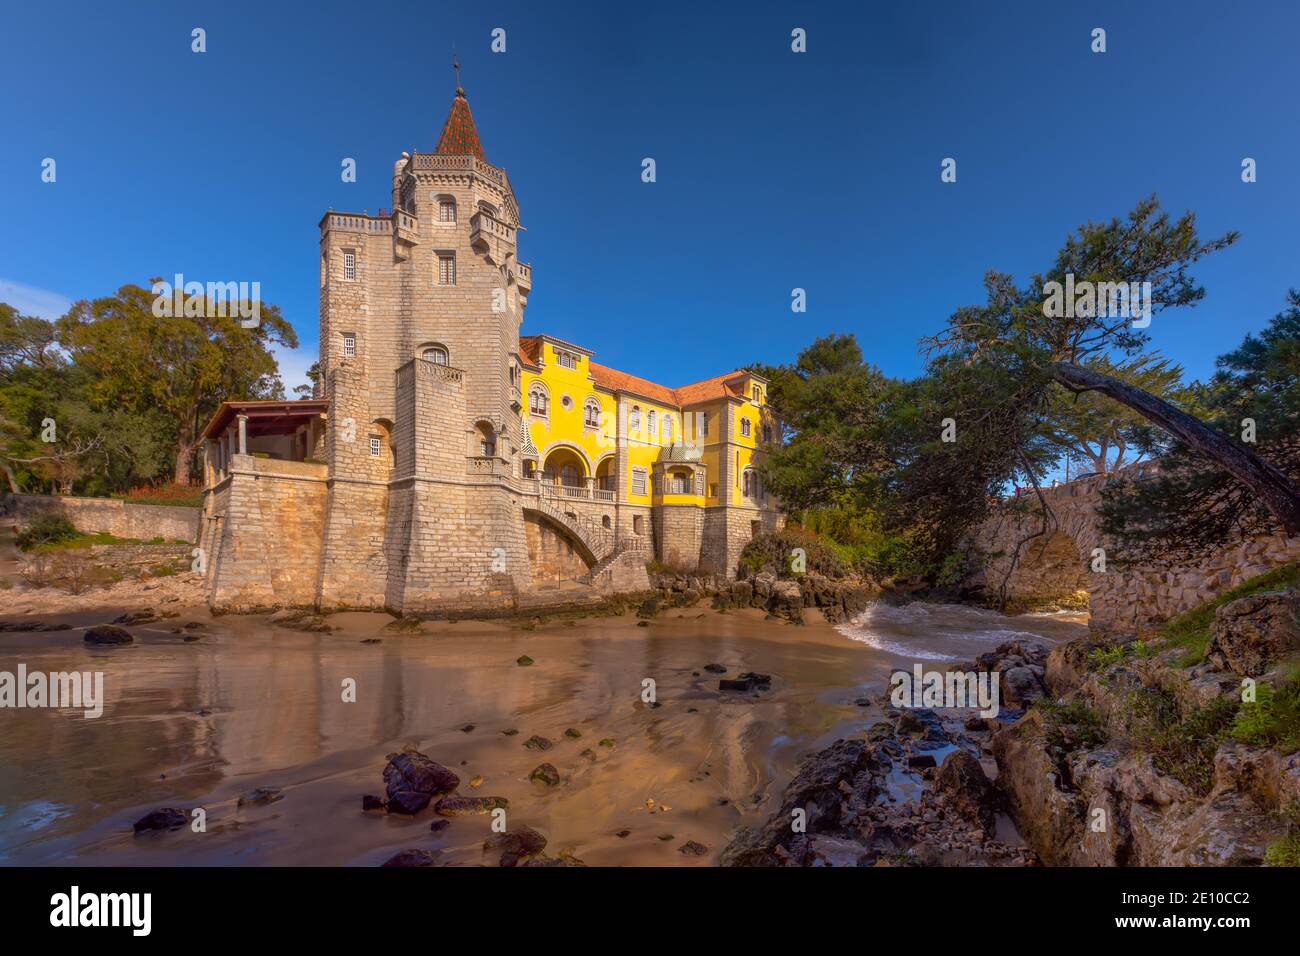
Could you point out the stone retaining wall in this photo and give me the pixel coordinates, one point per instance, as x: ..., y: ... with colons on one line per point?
x: 107, y: 516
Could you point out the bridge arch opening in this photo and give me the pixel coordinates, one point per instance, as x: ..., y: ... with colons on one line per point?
x: 1051, y: 571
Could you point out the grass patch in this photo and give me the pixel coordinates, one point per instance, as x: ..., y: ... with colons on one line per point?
x: 1070, y: 725
x: 1102, y: 658
x: 1190, y: 630
x: 1286, y: 851
x: 1182, y: 745
x: 1272, y: 719
x: 81, y: 542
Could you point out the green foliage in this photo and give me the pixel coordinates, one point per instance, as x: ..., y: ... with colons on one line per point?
x: 127, y: 390
x: 1181, y: 745
x: 1102, y: 433
x: 1070, y: 725
x: 1192, y: 506
x: 1102, y: 658
x: 773, y: 552
x: 1191, y: 629
x: 46, y: 529
x: 1286, y: 852
x: 1272, y: 719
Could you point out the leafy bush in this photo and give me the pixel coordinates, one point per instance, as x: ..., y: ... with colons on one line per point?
x: 46, y: 529
x: 773, y: 552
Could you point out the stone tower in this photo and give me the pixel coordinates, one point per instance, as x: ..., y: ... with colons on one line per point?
x: 420, y: 316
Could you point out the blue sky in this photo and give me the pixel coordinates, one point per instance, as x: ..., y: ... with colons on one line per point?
x: 775, y: 170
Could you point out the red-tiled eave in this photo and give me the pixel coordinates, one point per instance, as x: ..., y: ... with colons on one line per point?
x: 266, y: 418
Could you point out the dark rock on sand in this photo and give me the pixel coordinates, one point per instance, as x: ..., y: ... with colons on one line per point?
x: 691, y: 848
x: 516, y: 845
x: 458, y: 806
x: 412, y: 858
x: 545, y: 773
x: 537, y: 743
x: 261, y: 796
x: 715, y: 668
x: 31, y: 627
x: 106, y: 635
x: 371, y: 802
x: 437, y: 826
x: 412, y: 780
x: 167, y: 818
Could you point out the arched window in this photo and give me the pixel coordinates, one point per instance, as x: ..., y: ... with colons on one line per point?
x: 744, y: 427
x: 748, y: 483
x: 486, y: 437
x: 650, y: 422
x: 668, y: 429
x: 436, y: 354
x: 538, y: 402
x: 591, y: 414
x: 634, y: 419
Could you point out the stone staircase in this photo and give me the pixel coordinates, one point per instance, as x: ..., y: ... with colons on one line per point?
x: 598, y: 540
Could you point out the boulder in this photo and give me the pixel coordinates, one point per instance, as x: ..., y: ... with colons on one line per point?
x: 962, y: 782
x: 107, y: 635
x: 516, y: 845
x: 1252, y: 633
x: 167, y: 818
x: 545, y: 773
x: 412, y: 780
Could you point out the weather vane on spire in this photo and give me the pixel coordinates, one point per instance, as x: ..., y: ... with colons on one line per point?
x: 455, y: 65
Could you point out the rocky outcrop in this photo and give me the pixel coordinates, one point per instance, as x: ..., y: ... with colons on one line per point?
x: 782, y: 597
x: 881, y: 801
x: 1131, y: 762
x: 1252, y: 633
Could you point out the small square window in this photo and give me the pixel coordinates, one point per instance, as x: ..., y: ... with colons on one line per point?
x: 446, y: 211
x: 349, y: 265
x: 375, y: 447
x: 349, y: 346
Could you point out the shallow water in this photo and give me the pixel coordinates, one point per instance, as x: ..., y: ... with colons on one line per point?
x: 252, y: 705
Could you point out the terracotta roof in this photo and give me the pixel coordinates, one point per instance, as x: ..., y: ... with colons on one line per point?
x: 720, y: 386
x: 530, y: 347
x: 705, y: 391
x: 621, y: 381
x: 459, y: 134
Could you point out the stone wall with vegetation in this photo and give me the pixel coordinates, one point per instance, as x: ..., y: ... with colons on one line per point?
x: 1052, y: 568
x: 108, y: 516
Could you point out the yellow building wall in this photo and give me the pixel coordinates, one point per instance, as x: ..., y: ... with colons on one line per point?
x: 566, y: 425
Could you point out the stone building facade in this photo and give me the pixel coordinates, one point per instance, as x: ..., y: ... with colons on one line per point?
x: 448, y: 465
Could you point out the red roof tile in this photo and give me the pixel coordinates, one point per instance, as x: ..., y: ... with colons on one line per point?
x: 459, y: 134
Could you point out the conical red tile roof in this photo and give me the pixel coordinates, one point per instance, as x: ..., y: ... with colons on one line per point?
x: 459, y: 134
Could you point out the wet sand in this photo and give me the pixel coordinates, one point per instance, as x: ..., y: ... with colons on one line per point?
x: 255, y: 705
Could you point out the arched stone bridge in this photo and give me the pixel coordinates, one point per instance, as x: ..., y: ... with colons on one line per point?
x: 1119, y: 599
